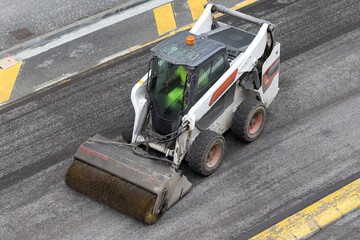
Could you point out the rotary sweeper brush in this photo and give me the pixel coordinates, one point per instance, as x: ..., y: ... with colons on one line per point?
x: 199, y: 84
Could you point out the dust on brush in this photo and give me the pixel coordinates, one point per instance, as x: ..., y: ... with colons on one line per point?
x: 111, y: 190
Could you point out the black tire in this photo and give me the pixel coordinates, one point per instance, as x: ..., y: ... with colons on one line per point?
x: 206, y: 152
x: 128, y: 125
x: 249, y: 120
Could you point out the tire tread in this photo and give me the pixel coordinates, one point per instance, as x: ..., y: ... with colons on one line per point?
x: 239, y: 124
x: 128, y: 125
x: 198, y: 148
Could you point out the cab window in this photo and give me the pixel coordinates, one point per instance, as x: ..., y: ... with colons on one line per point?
x: 169, y: 89
x: 208, y: 75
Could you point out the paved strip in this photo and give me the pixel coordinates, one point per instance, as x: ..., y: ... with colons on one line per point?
x: 315, y: 217
x: 164, y: 18
x: 72, y: 32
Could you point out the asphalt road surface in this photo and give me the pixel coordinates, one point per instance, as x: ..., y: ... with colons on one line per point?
x: 309, y: 148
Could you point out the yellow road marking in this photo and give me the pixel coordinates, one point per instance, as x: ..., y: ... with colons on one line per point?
x: 164, y: 18
x: 243, y: 4
x: 7, y: 80
x: 316, y: 216
x: 196, y: 8
x: 237, y: 7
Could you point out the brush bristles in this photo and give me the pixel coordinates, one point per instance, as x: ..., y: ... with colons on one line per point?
x: 109, y: 189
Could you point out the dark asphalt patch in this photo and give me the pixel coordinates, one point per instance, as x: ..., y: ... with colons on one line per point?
x: 21, y: 34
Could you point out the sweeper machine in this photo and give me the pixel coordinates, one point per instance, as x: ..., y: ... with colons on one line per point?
x: 200, y: 84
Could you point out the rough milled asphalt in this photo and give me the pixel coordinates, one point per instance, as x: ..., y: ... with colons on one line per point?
x: 310, y: 145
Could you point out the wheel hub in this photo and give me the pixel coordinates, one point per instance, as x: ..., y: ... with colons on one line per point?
x: 213, y: 156
x: 255, y: 122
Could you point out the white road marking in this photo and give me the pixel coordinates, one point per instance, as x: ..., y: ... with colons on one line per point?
x: 53, y: 81
x: 117, y: 54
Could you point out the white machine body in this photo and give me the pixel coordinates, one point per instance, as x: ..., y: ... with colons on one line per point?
x: 240, y: 66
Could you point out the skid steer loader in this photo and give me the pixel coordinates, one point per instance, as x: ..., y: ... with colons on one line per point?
x: 200, y: 84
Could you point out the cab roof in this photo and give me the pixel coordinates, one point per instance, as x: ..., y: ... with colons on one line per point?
x: 175, y: 50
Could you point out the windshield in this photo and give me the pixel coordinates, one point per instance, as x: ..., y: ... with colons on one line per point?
x: 169, y: 90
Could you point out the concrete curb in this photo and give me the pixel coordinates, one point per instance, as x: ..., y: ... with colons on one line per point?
x: 315, y: 217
